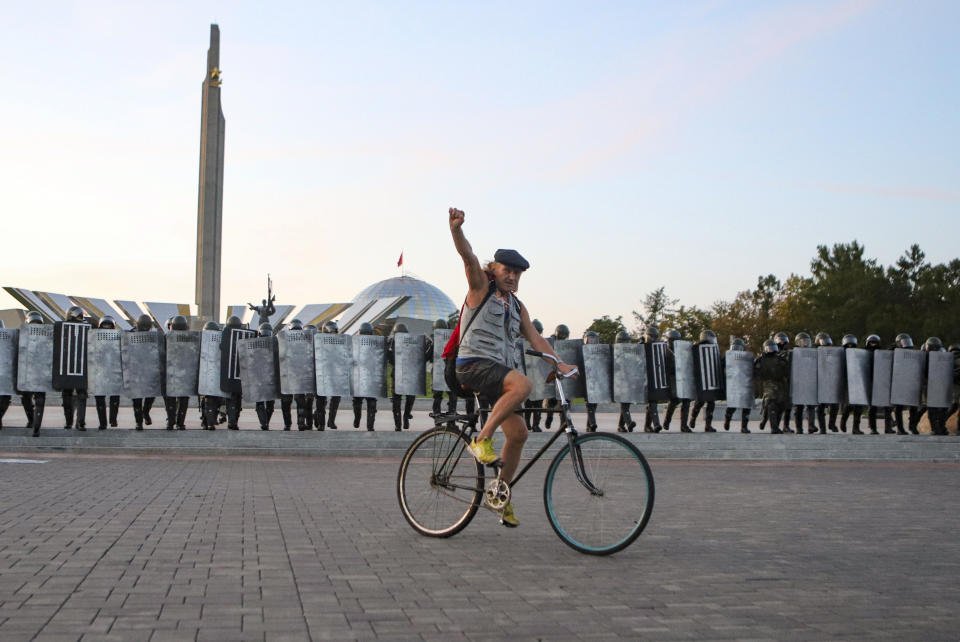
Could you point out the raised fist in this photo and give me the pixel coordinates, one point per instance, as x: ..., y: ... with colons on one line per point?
x: 456, y: 218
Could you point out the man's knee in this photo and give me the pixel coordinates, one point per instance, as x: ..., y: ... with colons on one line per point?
x: 516, y: 383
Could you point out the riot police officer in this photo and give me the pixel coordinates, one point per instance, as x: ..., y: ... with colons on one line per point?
x: 33, y: 402
x: 872, y: 344
x: 265, y: 408
x: 74, y: 398
x: 937, y: 416
x: 802, y: 340
x: 783, y: 347
x: 441, y: 324
x: 560, y: 333
x: 625, y: 422
x: 706, y: 337
x: 319, y: 414
x: 177, y: 406
x: 738, y: 345
x: 365, y: 329
x: 234, y: 400
x: 954, y: 349
x: 532, y: 414
x: 773, y: 375
x: 107, y: 323
x: 671, y: 363
x: 823, y: 340
x: 591, y: 338
x: 904, y: 341
x: 210, y: 404
x: 850, y: 341
x: 651, y: 421
x: 304, y: 421
x: 141, y: 407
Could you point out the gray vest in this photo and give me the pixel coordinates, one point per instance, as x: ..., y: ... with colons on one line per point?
x: 494, y: 333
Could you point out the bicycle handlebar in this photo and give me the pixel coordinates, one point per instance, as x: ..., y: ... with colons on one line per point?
x: 556, y: 362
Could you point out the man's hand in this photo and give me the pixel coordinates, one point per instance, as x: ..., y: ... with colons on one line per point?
x: 564, y: 368
x: 456, y: 219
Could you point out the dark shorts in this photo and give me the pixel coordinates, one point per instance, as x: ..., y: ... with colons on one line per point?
x: 483, y: 376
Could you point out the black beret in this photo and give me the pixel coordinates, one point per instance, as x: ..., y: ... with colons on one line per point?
x: 511, y: 258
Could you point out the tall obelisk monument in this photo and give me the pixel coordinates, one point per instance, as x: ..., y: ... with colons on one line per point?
x: 210, y: 206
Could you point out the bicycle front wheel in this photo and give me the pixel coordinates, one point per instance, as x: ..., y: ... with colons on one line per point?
x: 440, y: 484
x: 609, y: 508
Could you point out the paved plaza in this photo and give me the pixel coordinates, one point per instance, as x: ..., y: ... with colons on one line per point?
x: 165, y: 548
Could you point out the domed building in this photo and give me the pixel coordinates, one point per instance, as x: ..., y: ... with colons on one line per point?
x: 427, y: 303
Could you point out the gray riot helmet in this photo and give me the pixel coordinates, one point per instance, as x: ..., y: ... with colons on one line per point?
x: 738, y: 345
x: 312, y: 329
x: 590, y: 337
x: 708, y: 336
x: 562, y: 332
x: 770, y: 347
x: 823, y: 339
x: 107, y: 323
x: 873, y: 341
x: 144, y: 323
x: 33, y: 317
x: 180, y: 323
x: 782, y: 339
x: 673, y: 335
x: 538, y: 326
x: 650, y: 333
x: 954, y: 348
x: 903, y: 340
x: 622, y: 337
x: 74, y: 314
x: 849, y: 341
x: 211, y: 325
x: 803, y: 340
x: 296, y: 324
x: 440, y: 324
x: 366, y: 328
x: 265, y: 330
x: 234, y: 322
x: 933, y: 344
x: 398, y: 328
x: 330, y: 327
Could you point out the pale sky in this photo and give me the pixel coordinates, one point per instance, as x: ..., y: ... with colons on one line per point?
x: 619, y: 146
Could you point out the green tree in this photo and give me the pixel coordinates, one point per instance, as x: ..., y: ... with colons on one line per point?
x: 689, y: 321
x: 607, y: 328
x: 654, y: 306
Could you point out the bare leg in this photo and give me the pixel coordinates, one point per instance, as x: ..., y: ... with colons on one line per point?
x: 516, y: 388
x: 515, y: 431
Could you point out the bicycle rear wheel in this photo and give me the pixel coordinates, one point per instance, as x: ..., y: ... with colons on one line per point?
x: 599, y: 524
x: 440, y: 484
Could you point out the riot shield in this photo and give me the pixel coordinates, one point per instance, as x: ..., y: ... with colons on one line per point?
x: 859, y: 376
x: 258, y: 368
x: 803, y: 376
x: 571, y: 351
x: 410, y: 368
x: 333, y: 359
x: 537, y: 371
x: 230, y: 358
x: 939, y: 379
x: 183, y: 362
x: 208, y: 379
x: 658, y: 387
x: 369, y: 378
x: 629, y: 373
x: 831, y: 376
x: 140, y: 359
x: 707, y: 372
x: 9, y: 346
x: 297, y: 362
x: 684, y: 385
x: 70, y: 355
x: 34, y: 358
x: 908, y: 371
x: 598, y: 372
x: 437, y: 381
x: 104, y: 365
x: 739, y: 379
x: 881, y: 379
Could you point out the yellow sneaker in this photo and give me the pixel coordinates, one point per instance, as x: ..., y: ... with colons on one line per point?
x: 483, y: 450
x: 508, y: 518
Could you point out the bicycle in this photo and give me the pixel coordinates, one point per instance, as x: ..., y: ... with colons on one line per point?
x: 597, y: 504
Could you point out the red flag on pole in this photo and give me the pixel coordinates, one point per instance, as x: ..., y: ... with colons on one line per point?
x: 400, y: 261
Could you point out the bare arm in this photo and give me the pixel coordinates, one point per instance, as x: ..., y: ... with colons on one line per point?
x: 476, y: 279
x: 537, y: 342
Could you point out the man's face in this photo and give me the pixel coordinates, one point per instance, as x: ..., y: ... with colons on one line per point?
x: 507, y: 277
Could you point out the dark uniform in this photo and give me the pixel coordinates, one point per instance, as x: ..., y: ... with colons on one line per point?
x: 265, y: 408
x: 937, y: 416
x: 531, y: 415
x: 33, y: 402
x: 561, y: 333
x: 304, y: 402
x: 741, y: 346
x: 141, y: 407
x: 802, y: 340
x: 210, y: 404
x: 625, y: 422
x: 101, y: 401
x: 904, y: 341
x: 651, y: 421
x: 592, y: 338
x: 177, y: 406
x: 671, y: 363
x: 850, y: 341
x: 773, y: 375
x: 74, y: 396
x: 365, y: 329
x: 320, y: 418
x: 873, y: 343
x: 234, y: 400
x: 706, y: 337
x: 823, y: 340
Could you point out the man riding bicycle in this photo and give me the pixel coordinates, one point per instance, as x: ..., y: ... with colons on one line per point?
x: 487, y: 353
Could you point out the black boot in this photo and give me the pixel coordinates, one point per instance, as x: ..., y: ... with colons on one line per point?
x: 147, y: 405
x: 684, y: 418
x: 114, y: 402
x: 67, y: 411
x: 138, y: 413
x: 182, y: 404
x: 4, y: 404
x: 408, y: 411
x: 371, y: 413
x: 101, y: 404
x: 39, y: 401
x: 332, y: 417
x: 693, y: 415
x: 357, y: 408
x: 286, y: 409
